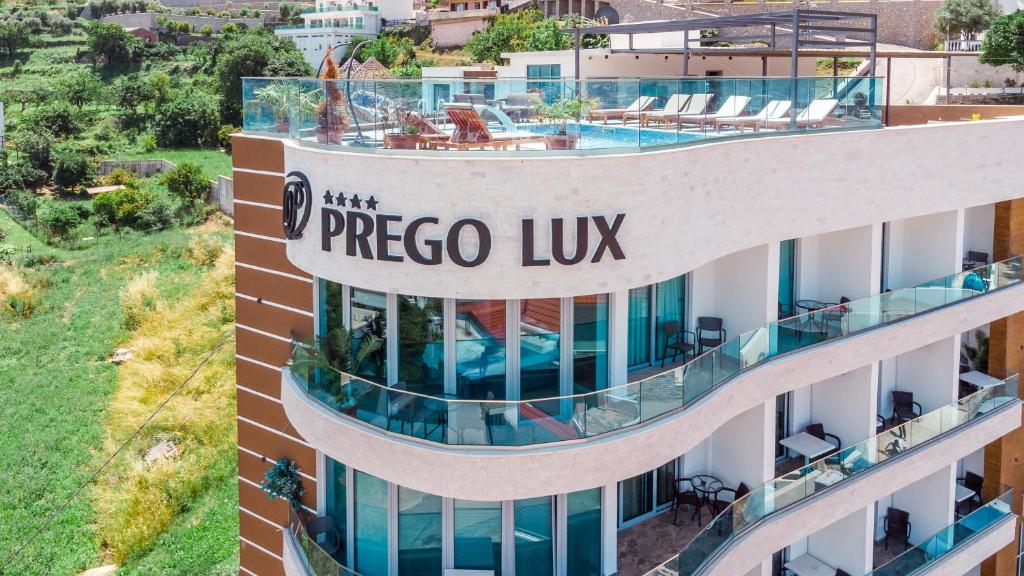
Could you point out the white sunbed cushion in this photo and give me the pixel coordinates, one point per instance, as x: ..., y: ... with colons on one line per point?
x: 733, y: 106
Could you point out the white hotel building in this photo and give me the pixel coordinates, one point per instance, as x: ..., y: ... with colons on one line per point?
x: 336, y: 22
x: 684, y: 350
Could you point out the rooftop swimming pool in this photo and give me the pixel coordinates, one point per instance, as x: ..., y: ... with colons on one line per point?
x: 598, y: 137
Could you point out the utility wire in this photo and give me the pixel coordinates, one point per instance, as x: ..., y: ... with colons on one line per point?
x: 53, y: 516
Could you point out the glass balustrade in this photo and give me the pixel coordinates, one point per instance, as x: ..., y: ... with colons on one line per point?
x: 316, y: 550
x: 542, y: 115
x: 949, y: 539
x: 479, y: 415
x: 799, y: 485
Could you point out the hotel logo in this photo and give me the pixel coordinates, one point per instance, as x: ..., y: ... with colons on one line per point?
x: 356, y: 226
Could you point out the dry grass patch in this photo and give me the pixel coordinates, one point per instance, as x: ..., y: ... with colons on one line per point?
x: 138, y: 500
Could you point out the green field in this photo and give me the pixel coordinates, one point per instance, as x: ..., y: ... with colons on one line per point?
x: 56, y: 387
x: 214, y: 162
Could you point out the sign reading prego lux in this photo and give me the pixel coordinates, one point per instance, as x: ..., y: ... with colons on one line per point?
x: 356, y: 227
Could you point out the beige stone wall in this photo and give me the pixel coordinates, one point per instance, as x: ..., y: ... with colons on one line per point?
x: 452, y: 33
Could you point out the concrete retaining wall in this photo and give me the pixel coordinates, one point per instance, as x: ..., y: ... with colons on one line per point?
x: 148, y: 20
x: 222, y: 190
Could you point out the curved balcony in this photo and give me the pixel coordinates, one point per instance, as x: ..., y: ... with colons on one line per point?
x: 432, y: 443
x: 738, y: 538
x: 960, y: 546
x: 304, y: 555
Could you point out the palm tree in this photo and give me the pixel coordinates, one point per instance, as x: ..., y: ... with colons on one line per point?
x: 335, y: 360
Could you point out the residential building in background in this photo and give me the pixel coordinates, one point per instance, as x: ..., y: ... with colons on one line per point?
x: 333, y: 23
x: 710, y: 325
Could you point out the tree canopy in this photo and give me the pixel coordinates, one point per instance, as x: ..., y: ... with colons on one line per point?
x: 255, y: 52
x: 1004, y: 42
x: 525, y: 31
x: 112, y: 41
x: 964, y: 18
x: 14, y: 35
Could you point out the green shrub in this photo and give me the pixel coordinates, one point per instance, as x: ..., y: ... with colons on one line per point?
x: 59, y: 118
x: 224, y: 136
x: 123, y: 207
x: 23, y: 200
x: 187, y: 182
x: 159, y: 215
x: 188, y: 121
x: 60, y: 219
x: 20, y: 176
x: 36, y: 146
x: 71, y: 167
x: 121, y: 177
x: 146, y: 142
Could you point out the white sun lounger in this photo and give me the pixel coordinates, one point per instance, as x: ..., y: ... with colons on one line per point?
x: 639, y: 105
x: 773, y: 110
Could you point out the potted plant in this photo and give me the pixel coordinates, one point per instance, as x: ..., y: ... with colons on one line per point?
x: 282, y: 480
x: 331, y: 361
x: 406, y: 133
x: 282, y: 98
x: 330, y: 113
x: 560, y: 112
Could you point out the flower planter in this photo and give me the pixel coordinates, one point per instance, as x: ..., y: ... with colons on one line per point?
x: 562, y: 141
x: 401, y: 141
x: 329, y: 135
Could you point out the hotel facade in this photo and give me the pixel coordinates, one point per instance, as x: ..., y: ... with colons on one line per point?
x: 790, y: 350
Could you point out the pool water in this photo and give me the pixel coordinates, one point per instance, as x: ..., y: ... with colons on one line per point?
x: 594, y: 136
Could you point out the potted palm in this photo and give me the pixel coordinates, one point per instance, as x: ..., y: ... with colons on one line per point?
x: 560, y: 112
x: 330, y: 113
x: 405, y: 133
x: 336, y: 356
x: 282, y: 98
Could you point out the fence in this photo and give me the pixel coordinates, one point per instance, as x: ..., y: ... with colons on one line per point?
x: 222, y: 190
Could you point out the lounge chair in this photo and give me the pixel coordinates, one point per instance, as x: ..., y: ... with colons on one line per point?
x: 733, y: 106
x: 471, y: 132
x: 522, y: 107
x: 774, y: 109
x: 673, y: 105
x: 696, y: 105
x: 639, y: 105
x: 429, y: 133
x: 814, y: 116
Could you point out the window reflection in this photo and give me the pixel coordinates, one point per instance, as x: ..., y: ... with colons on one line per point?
x: 419, y: 533
x: 421, y: 344
x: 369, y: 317
x: 478, y: 535
x: 539, y: 348
x: 480, y: 349
x: 590, y: 343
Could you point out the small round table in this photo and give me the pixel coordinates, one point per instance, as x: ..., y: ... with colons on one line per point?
x: 812, y: 306
x: 707, y: 487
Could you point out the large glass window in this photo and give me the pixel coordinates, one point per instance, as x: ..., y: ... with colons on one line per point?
x: 419, y: 533
x: 337, y: 505
x: 478, y: 535
x: 368, y: 311
x: 480, y: 348
x: 539, y: 348
x: 330, y: 306
x: 670, y: 307
x: 583, y: 534
x: 639, y: 326
x: 421, y: 344
x: 371, y: 525
x: 644, y: 494
x: 787, y: 278
x: 590, y: 343
x: 544, y: 78
x: 535, y: 544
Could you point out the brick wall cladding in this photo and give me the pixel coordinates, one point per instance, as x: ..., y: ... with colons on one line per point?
x: 906, y: 23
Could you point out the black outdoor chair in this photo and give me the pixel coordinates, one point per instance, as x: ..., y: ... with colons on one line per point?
x: 675, y: 340
x: 712, y: 325
x: 897, y: 526
x: 880, y: 427
x: 719, y: 505
x: 975, y: 260
x: 904, y: 408
x: 835, y: 315
x: 974, y: 483
x: 686, y: 497
x: 324, y: 527
x: 818, y: 431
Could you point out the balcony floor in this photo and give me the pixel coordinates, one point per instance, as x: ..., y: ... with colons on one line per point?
x: 645, y: 545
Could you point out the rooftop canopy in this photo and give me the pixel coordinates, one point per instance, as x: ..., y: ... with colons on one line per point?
x: 793, y: 29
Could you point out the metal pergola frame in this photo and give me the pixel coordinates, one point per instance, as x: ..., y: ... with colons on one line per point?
x: 810, y: 29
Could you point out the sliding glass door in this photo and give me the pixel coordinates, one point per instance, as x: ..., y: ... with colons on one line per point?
x: 421, y: 344
x: 644, y: 495
x: 535, y: 536
x: 654, y: 312
x: 478, y: 535
x: 590, y: 343
x: 480, y: 349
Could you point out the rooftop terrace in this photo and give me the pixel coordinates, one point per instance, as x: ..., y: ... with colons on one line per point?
x: 545, y: 116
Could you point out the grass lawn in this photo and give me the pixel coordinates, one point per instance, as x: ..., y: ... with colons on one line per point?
x: 214, y: 162
x: 56, y: 387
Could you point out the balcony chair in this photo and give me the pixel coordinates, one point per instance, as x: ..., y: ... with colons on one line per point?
x: 897, y: 525
x: 323, y: 532
x: 904, y: 408
x: 881, y: 425
x: 818, y: 431
x: 675, y: 340
x: 719, y: 505
x: 714, y: 326
x: 975, y: 260
x: 687, y: 497
x: 972, y: 482
x: 836, y: 316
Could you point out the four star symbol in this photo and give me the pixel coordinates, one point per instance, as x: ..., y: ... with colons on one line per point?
x: 355, y: 201
x: 371, y: 203
x: 328, y: 199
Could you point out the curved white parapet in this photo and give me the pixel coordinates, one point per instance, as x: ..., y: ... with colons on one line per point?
x: 679, y: 208
x: 526, y: 472
x: 982, y: 547
x: 799, y: 521
x: 292, y: 556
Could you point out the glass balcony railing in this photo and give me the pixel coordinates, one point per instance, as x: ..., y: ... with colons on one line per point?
x: 315, y: 556
x: 804, y: 483
x: 320, y: 26
x: 349, y: 8
x: 539, y: 418
x: 949, y: 539
x: 543, y: 115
